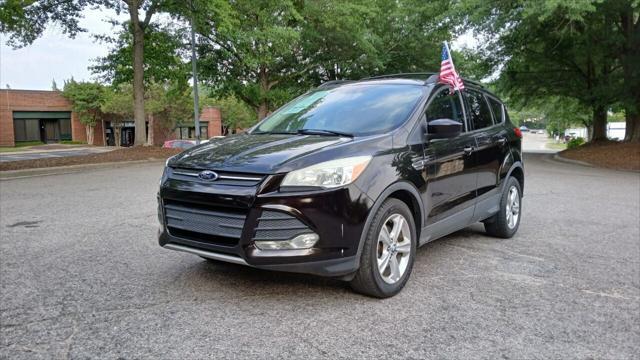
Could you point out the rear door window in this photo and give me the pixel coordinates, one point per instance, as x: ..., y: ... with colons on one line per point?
x: 479, y: 112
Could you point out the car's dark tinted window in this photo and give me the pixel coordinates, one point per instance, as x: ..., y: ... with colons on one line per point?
x: 479, y: 112
x: 359, y: 109
x: 496, y: 107
x: 445, y: 106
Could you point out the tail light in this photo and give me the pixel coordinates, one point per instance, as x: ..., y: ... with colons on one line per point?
x: 518, y: 132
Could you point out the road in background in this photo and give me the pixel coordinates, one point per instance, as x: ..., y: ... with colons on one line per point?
x: 82, y: 276
x: 536, y: 143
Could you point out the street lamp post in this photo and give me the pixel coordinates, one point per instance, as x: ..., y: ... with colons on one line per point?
x: 196, y: 100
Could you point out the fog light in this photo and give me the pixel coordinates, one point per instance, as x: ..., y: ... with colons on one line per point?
x: 303, y: 241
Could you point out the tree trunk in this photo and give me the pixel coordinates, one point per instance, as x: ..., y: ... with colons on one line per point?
x: 263, y: 110
x: 117, y: 139
x: 599, y: 132
x: 90, y: 132
x: 138, y: 76
x: 151, y: 127
x: 263, y: 107
x: 632, y: 131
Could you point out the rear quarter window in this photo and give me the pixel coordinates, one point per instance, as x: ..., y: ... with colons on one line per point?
x: 496, y: 108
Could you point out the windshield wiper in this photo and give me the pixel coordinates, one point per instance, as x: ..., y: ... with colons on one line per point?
x: 273, y: 133
x: 323, y: 132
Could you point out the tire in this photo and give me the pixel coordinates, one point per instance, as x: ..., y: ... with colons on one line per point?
x: 369, y: 280
x: 501, y: 224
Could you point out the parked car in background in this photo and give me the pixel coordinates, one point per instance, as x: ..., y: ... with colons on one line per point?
x: 348, y: 180
x: 524, y: 128
x: 181, y: 144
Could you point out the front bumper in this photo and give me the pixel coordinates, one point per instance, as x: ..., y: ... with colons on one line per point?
x: 222, y: 222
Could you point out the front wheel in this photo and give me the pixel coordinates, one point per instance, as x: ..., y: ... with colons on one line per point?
x: 388, y: 252
x: 505, y: 223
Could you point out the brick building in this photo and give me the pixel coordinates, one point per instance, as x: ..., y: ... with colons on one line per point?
x: 38, y: 115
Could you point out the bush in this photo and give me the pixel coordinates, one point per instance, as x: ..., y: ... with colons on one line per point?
x: 574, y: 143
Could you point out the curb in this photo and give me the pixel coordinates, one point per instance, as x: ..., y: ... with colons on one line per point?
x: 571, y: 161
x: 59, y: 170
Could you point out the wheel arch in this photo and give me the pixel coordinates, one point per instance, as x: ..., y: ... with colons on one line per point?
x: 403, y: 191
x: 517, y: 171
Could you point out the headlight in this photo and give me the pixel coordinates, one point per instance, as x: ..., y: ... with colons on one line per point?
x: 329, y: 174
x: 166, y: 163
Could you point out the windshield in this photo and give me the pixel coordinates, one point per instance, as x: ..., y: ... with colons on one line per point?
x: 358, y: 109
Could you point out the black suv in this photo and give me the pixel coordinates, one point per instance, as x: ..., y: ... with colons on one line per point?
x: 348, y: 180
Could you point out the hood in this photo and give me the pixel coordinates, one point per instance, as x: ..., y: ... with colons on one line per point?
x: 263, y: 153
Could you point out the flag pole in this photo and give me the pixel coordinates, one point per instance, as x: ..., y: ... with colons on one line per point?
x: 446, y: 45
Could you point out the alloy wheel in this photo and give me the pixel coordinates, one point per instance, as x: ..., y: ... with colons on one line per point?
x: 513, y: 207
x: 394, y: 248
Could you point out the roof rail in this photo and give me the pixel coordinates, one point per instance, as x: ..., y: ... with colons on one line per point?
x: 430, y: 77
x: 401, y: 75
x: 334, y: 82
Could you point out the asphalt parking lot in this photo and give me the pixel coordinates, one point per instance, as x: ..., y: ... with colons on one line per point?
x: 82, y: 276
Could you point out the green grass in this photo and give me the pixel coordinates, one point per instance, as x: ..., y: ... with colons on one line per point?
x: 72, y: 142
x: 20, y: 145
x: 556, y: 146
x: 28, y: 143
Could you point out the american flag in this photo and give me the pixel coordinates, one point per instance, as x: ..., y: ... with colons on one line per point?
x: 448, y: 74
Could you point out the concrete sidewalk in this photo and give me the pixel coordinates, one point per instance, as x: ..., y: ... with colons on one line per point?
x: 40, y: 152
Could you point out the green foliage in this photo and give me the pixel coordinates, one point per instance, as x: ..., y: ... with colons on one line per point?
x: 163, y: 56
x: 574, y: 143
x: 25, y: 20
x: 86, y: 100
x: 564, y: 51
x: 172, y: 102
x: 266, y: 52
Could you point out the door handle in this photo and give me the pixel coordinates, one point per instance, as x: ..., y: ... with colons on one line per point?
x: 502, y: 141
x: 468, y: 150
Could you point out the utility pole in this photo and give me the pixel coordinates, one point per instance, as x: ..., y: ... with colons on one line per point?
x: 194, y: 72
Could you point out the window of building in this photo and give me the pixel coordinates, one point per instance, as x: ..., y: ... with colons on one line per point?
x: 26, y: 129
x: 479, y: 112
x: 65, y: 129
x: 184, y: 132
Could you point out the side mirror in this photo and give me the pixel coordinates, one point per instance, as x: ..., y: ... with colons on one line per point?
x: 443, y: 129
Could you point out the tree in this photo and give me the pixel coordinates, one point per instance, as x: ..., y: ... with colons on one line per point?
x: 554, y: 49
x: 265, y: 53
x: 86, y: 100
x: 25, y: 22
x: 163, y: 62
x: 166, y: 104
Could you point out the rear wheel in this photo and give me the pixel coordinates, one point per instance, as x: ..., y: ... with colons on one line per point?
x: 388, y: 252
x: 505, y: 223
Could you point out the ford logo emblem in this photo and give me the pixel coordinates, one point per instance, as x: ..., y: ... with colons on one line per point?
x: 208, y: 175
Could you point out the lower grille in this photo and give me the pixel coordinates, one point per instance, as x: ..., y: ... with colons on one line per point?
x: 216, y: 227
x: 275, y: 225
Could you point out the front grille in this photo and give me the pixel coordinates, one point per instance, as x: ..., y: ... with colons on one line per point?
x: 275, y: 225
x: 224, y: 177
x: 199, y: 223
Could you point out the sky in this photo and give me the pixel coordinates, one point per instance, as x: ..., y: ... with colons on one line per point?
x: 54, y: 56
